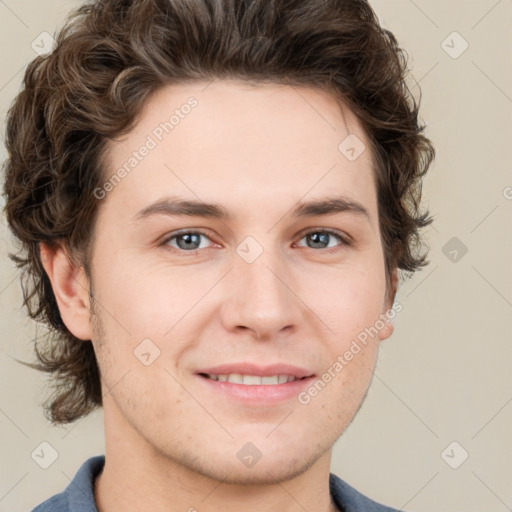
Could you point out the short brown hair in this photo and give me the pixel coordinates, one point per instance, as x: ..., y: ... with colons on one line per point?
x: 111, y: 55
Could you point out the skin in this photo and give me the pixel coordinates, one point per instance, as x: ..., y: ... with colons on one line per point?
x: 257, y: 149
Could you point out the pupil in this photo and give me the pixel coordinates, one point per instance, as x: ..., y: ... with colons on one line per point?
x: 188, y: 239
x: 320, y: 238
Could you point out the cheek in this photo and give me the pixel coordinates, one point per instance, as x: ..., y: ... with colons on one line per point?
x: 150, y: 301
x: 347, y: 300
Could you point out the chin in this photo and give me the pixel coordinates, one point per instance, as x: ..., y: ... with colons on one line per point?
x: 261, y: 473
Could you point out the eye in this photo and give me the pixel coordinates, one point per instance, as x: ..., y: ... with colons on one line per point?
x: 321, y: 238
x: 190, y: 241
x: 187, y: 240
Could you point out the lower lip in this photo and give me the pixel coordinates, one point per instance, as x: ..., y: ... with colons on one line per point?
x: 269, y: 394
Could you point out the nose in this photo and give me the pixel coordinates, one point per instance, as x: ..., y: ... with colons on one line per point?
x: 260, y: 298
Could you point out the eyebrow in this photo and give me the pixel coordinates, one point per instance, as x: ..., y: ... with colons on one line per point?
x: 172, y: 206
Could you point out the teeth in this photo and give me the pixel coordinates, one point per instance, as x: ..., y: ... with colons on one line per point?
x: 253, y: 380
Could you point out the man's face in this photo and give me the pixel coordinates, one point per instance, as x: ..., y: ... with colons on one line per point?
x: 262, y: 287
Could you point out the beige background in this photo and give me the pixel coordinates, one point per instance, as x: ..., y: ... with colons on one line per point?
x: 446, y: 374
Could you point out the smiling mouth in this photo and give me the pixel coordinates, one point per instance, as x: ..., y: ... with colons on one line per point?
x: 252, y: 380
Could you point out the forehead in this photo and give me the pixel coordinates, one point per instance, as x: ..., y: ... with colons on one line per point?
x: 242, y: 144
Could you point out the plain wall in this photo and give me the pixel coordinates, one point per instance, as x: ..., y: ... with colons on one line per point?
x: 445, y: 375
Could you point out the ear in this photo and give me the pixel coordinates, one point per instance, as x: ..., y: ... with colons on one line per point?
x: 391, y: 289
x: 70, y: 287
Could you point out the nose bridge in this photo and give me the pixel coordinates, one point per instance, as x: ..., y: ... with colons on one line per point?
x: 260, y: 291
x: 265, y: 276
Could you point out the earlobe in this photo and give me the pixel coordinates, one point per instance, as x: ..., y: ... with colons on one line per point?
x: 70, y: 287
x: 387, y: 330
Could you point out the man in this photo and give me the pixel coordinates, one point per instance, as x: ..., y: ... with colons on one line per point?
x: 214, y: 199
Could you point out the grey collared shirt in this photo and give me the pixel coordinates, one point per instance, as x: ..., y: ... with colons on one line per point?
x: 79, y: 494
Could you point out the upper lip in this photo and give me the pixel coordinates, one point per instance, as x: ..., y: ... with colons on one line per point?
x: 261, y: 371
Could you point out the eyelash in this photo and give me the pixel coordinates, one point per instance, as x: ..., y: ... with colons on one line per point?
x: 344, y: 241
